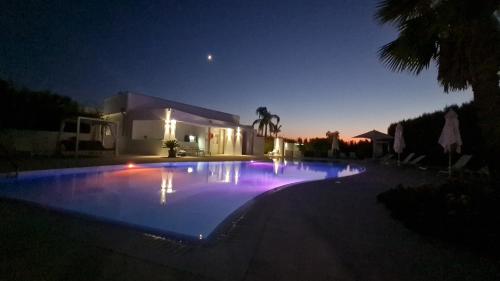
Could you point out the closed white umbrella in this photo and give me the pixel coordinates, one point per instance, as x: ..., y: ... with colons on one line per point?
x: 335, y: 141
x: 399, y: 141
x: 450, y: 138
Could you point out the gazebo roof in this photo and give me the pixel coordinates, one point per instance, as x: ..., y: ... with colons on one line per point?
x: 374, y: 135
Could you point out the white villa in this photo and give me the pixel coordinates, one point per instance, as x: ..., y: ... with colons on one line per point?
x: 144, y: 123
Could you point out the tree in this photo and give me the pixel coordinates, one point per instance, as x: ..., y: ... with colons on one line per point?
x: 462, y: 37
x: 262, y: 120
x: 275, y: 129
x: 265, y: 120
x: 26, y: 109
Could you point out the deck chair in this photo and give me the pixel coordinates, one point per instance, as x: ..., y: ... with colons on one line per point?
x: 415, y: 161
x: 385, y: 159
x: 408, y: 158
x: 484, y: 171
x: 481, y: 172
x: 459, y: 165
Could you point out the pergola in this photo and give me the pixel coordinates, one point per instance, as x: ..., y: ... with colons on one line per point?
x: 92, y: 122
x: 378, y: 140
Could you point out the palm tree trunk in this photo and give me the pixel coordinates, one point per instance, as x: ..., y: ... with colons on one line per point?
x: 487, y: 101
x: 265, y: 132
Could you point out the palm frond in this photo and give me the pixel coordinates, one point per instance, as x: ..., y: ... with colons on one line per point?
x: 461, y: 36
x: 261, y: 111
x: 398, y: 56
x: 415, y: 47
x: 258, y: 121
x: 399, y: 11
x: 275, y: 117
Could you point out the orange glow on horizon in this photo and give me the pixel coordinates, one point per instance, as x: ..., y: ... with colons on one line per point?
x: 354, y: 140
x: 345, y: 139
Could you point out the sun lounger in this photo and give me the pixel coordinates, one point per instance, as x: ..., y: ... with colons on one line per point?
x: 415, y: 161
x: 189, y: 149
x: 408, y: 158
x: 459, y: 165
x: 481, y: 172
x: 386, y: 157
x: 484, y: 171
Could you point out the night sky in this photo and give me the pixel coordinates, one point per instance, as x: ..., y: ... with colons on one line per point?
x: 314, y: 63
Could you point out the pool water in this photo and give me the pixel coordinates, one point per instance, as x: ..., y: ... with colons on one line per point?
x: 188, y: 199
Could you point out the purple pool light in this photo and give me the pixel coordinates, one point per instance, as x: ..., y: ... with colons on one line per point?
x: 188, y: 199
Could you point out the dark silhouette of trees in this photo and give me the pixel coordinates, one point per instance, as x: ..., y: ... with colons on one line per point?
x: 422, y: 133
x: 275, y: 129
x: 22, y: 108
x: 318, y: 147
x: 265, y: 120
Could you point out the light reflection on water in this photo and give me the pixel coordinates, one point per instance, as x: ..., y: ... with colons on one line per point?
x: 348, y: 171
x: 185, y: 198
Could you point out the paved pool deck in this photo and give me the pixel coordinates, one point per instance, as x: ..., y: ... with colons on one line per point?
x: 42, y: 163
x: 323, y: 230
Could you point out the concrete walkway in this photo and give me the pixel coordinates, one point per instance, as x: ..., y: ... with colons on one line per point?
x: 43, y: 163
x: 337, y: 231
x: 325, y: 230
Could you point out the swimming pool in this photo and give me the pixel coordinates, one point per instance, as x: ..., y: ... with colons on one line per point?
x: 185, y: 199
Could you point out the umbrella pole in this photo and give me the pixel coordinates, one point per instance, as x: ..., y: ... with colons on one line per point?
x: 449, y: 164
x: 399, y: 155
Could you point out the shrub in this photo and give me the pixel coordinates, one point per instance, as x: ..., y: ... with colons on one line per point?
x: 421, y: 134
x: 457, y: 211
x: 171, y: 144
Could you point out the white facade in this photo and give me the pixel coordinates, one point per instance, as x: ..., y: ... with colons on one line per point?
x: 145, y: 123
x: 285, y: 149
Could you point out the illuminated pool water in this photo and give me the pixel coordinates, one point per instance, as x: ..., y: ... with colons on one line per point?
x: 188, y: 199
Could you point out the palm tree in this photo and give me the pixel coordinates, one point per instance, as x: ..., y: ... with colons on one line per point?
x: 275, y: 129
x: 265, y: 120
x: 462, y: 37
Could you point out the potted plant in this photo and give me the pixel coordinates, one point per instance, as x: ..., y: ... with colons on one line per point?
x: 171, y: 145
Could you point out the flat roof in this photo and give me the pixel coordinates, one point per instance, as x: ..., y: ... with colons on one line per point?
x: 137, y: 101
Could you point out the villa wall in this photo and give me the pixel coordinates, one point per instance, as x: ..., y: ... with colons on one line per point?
x: 216, y: 142
x: 147, y: 137
x: 184, y: 129
x: 144, y: 147
x: 286, y: 149
x: 148, y: 129
x: 291, y: 150
x: 258, y: 146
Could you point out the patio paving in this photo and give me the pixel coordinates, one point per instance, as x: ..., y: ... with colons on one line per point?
x: 41, y: 163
